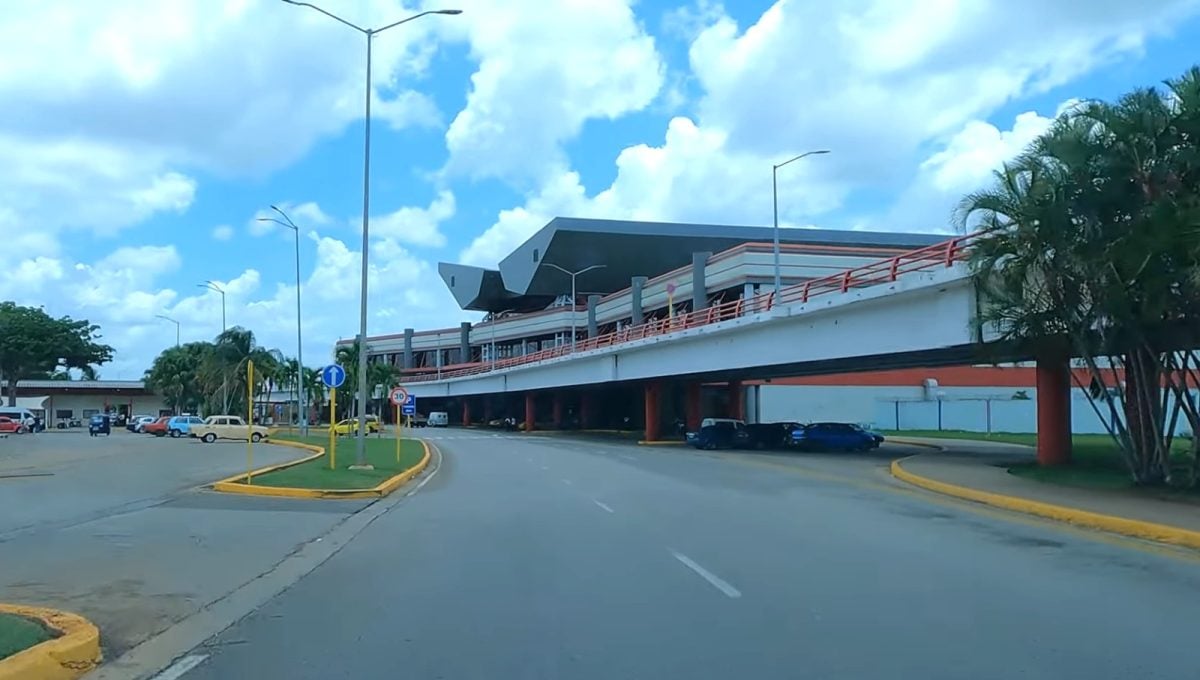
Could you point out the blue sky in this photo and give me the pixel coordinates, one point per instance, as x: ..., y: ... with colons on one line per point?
x: 142, y: 150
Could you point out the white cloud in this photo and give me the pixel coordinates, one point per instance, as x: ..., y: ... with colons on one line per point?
x: 418, y: 226
x: 222, y: 232
x: 545, y: 69
x: 878, y: 82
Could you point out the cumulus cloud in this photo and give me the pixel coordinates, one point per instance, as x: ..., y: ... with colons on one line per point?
x: 222, y: 232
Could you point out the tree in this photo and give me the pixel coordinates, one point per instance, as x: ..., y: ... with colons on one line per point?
x: 347, y: 357
x: 34, y: 344
x: 382, y: 376
x: 223, y: 373
x: 1092, y: 249
x: 176, y: 374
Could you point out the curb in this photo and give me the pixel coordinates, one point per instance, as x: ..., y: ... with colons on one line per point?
x: 660, y: 443
x: 70, y: 656
x: 912, y: 442
x: 1135, y: 528
x: 232, y: 485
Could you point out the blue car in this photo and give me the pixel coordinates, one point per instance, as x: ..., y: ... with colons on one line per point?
x: 835, y: 437
x: 99, y: 424
x: 181, y: 426
x: 720, y: 434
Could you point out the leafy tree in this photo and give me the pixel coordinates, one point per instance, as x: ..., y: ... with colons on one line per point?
x: 223, y: 373
x: 382, y: 376
x: 34, y: 344
x: 347, y: 357
x: 1092, y: 249
x: 176, y: 374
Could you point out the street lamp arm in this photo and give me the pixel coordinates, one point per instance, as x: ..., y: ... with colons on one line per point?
x: 588, y: 269
x: 415, y: 16
x: 331, y: 15
x: 803, y: 155
x: 277, y: 221
x: 554, y: 266
x: 290, y: 224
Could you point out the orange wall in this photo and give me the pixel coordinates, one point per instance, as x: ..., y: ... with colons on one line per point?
x: 949, y: 376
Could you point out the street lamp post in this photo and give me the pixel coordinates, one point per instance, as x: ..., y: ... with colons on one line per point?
x: 224, y: 377
x: 301, y: 404
x: 573, y: 296
x: 164, y: 316
x: 361, y: 444
x: 775, y: 201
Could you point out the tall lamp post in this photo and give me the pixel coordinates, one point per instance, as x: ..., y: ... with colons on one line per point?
x: 361, y: 444
x: 224, y: 377
x: 167, y: 318
x: 775, y: 200
x: 573, y: 296
x: 301, y: 404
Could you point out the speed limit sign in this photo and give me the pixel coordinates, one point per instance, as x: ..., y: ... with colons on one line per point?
x: 398, y: 396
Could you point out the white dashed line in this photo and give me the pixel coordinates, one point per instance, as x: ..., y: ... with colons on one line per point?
x: 627, y: 457
x: 707, y: 575
x: 545, y: 468
x: 602, y: 506
x: 567, y: 482
x: 177, y: 669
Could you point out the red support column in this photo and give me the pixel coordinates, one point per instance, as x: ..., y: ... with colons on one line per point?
x: 586, y: 407
x: 466, y: 412
x: 557, y: 413
x: 1053, y: 412
x: 530, y: 410
x: 737, y: 408
x: 692, y: 406
x: 651, y: 401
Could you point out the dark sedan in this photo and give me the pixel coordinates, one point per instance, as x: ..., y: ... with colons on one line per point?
x: 723, y: 434
x: 835, y: 437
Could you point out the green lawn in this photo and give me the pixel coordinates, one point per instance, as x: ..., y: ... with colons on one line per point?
x: 315, y: 474
x: 1095, y: 460
x: 18, y: 633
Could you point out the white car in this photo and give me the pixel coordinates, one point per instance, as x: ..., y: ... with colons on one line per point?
x: 438, y: 419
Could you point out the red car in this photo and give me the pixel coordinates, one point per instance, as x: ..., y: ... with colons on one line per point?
x: 10, y: 426
x: 158, y: 428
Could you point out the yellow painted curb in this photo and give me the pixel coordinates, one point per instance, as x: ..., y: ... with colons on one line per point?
x: 232, y: 485
x: 913, y: 442
x: 661, y: 443
x: 75, y: 652
x: 1093, y: 520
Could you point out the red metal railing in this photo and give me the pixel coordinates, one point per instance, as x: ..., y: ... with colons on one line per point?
x: 882, y: 271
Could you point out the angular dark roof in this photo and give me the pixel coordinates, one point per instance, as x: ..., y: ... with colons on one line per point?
x: 626, y: 249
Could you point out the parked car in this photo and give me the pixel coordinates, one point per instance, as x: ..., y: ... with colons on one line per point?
x: 227, y: 427
x: 835, y: 436
x: 721, y: 434
x: 158, y: 427
x: 181, y: 426
x: 770, y: 435
x: 21, y: 415
x: 10, y: 426
x: 350, y: 426
x: 136, y: 423
x: 419, y: 420
x: 438, y: 419
x: 99, y: 424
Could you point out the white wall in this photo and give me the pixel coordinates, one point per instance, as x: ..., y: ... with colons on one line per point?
x: 974, y: 409
x: 78, y: 403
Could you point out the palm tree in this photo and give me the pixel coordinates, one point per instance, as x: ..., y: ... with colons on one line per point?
x: 382, y: 376
x: 1093, y: 249
x: 347, y: 357
x: 226, y: 365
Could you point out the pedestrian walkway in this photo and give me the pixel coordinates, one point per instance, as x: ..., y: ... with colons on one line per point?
x: 988, y: 472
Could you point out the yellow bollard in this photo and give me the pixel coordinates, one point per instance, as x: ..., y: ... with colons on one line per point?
x: 332, y: 434
x: 249, y: 419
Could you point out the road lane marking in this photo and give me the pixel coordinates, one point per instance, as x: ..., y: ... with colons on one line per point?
x: 177, y: 669
x: 714, y: 580
x: 566, y: 481
x: 602, y: 506
x: 545, y: 468
x: 627, y: 457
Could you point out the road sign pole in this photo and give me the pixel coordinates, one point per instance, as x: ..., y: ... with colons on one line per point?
x: 249, y: 419
x: 398, y: 433
x: 332, y: 434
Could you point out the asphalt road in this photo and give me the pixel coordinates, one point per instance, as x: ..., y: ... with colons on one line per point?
x: 530, y: 557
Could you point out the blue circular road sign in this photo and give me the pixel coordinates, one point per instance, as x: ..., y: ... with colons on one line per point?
x: 333, y: 376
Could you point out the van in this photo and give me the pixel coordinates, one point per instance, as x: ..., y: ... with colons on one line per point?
x: 438, y: 419
x: 21, y: 415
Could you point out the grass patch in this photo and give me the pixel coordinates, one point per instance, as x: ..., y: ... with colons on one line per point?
x: 18, y: 633
x: 315, y: 474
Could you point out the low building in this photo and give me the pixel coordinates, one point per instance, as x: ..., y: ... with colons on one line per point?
x: 56, y: 401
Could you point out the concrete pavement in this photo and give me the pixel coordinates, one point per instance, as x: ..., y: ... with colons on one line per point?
x: 539, y: 558
x: 118, y: 530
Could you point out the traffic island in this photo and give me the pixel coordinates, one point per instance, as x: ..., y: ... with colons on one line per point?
x: 313, y: 477
x: 46, y: 644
